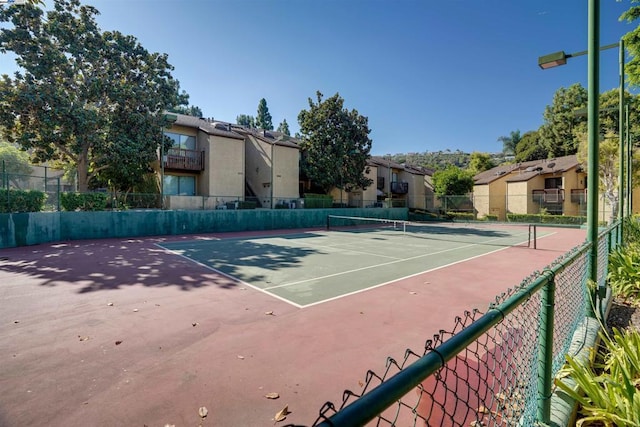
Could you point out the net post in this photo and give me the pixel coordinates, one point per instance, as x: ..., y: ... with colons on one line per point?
x: 328, y: 222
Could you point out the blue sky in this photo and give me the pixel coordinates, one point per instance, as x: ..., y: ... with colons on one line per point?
x: 430, y: 75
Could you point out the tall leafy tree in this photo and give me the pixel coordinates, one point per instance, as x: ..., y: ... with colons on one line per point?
x: 452, y: 181
x: 14, y: 163
x: 335, y: 144
x: 83, y: 97
x: 480, y: 162
x: 247, y: 121
x: 531, y: 147
x: 284, y: 127
x: 609, y: 166
x: 561, y: 120
x: 263, y: 119
x: 191, y: 110
x: 632, y: 44
x: 509, y: 142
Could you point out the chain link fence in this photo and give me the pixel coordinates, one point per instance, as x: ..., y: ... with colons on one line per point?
x: 493, y: 368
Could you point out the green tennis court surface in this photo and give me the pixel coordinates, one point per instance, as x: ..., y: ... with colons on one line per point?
x: 312, y: 267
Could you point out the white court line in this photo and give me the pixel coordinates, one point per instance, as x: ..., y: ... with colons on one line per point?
x: 409, y: 276
x: 228, y: 276
x: 266, y: 290
x: 284, y: 285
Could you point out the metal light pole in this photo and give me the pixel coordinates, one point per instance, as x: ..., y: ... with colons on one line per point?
x: 593, y: 55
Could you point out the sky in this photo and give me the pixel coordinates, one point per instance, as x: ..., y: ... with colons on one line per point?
x: 430, y: 75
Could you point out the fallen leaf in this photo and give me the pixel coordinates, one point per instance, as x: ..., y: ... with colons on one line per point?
x: 203, y: 412
x: 84, y: 338
x: 241, y: 357
x: 482, y: 410
x: 169, y: 425
x: 157, y: 305
x: 194, y: 324
x: 135, y: 310
x: 272, y: 395
x: 280, y: 416
x: 118, y: 342
x: 360, y: 383
x: 269, y: 313
x: 110, y: 304
x: 413, y: 293
x: 16, y: 321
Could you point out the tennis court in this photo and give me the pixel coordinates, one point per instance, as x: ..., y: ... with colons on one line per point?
x: 353, y: 255
x: 123, y: 332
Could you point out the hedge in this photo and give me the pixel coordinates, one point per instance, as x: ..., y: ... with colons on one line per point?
x: 546, y: 218
x: 84, y: 201
x: 21, y: 200
x: 317, y: 201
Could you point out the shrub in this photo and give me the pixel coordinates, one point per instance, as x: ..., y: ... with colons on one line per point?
x: 546, y: 218
x: 84, y: 201
x: 610, y: 397
x: 316, y: 201
x: 246, y: 204
x: 465, y: 216
x: 21, y: 200
x: 624, y: 271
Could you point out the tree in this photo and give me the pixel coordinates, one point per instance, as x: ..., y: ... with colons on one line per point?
x: 15, y: 163
x: 263, y: 120
x: 531, y: 147
x: 335, y: 144
x: 632, y: 45
x: 87, y: 98
x: 452, y: 181
x: 609, y: 167
x: 246, y: 121
x: 284, y: 127
x: 509, y: 142
x: 480, y: 162
x: 191, y: 110
x: 562, y: 119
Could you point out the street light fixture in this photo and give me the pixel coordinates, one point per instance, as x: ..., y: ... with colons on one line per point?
x: 560, y: 58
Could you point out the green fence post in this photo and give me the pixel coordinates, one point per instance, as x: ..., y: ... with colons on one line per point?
x: 58, y: 194
x: 545, y: 351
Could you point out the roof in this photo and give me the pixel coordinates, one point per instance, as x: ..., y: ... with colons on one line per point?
x: 519, y: 172
x: 206, y: 126
x: 269, y: 136
x: 387, y: 163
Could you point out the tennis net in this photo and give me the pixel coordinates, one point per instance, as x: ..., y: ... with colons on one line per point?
x: 490, y: 233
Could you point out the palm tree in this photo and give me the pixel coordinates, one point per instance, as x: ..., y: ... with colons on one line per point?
x: 509, y: 142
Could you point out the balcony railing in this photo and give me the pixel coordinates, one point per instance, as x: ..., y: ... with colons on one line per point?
x: 179, y: 158
x: 399, y: 187
x: 578, y: 196
x: 548, y: 195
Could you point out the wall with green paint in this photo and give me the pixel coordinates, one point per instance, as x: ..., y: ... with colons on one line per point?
x: 22, y: 229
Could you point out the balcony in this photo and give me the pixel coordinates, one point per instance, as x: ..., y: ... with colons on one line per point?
x: 181, y: 159
x: 399, y: 187
x: 579, y: 196
x: 548, y: 196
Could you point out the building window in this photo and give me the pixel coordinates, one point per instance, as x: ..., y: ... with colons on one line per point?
x: 553, y: 182
x: 184, y: 142
x: 180, y: 185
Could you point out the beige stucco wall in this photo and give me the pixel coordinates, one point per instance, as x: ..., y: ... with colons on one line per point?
x: 286, y: 173
x: 224, y: 172
x: 481, y: 200
x: 518, y: 198
x: 417, y: 190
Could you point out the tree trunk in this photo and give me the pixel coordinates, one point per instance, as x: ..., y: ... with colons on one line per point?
x: 83, y: 172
